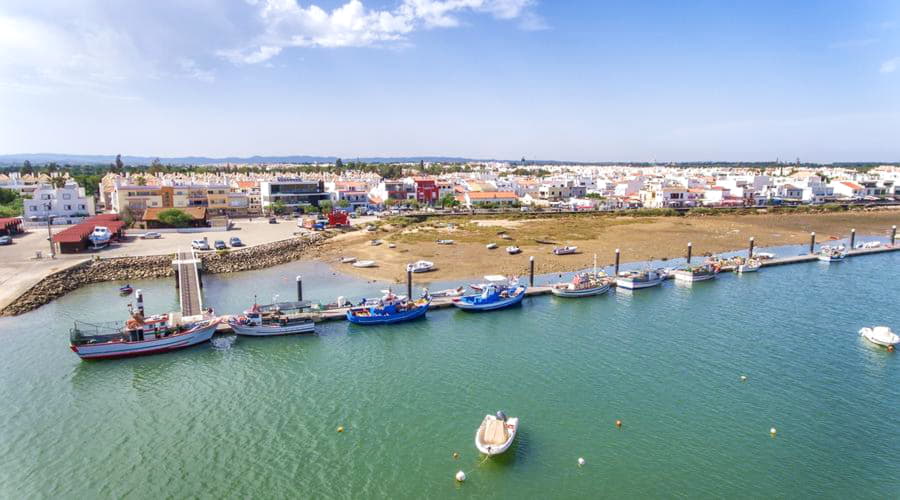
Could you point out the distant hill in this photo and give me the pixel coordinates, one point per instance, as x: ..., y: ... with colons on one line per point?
x: 42, y: 158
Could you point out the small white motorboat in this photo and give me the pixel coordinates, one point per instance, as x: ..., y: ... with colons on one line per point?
x: 566, y: 250
x: 764, y: 255
x: 881, y: 335
x: 375, y: 243
x: 445, y: 242
x: 836, y: 254
x: 364, y: 263
x: 450, y: 292
x: 423, y: 266
x: 371, y: 228
x: 496, y: 433
x: 750, y: 266
x: 505, y: 236
x: 512, y: 250
x: 491, y: 246
x: 392, y: 245
x: 348, y: 260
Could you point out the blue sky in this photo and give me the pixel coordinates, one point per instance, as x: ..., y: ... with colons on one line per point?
x: 572, y: 80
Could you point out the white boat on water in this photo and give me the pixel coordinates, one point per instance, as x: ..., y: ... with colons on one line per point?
x: 750, y: 266
x: 423, y: 266
x: 566, y: 250
x: 491, y: 246
x: 832, y: 254
x: 449, y: 292
x: 881, y: 335
x: 496, y: 433
x: 348, y: 260
x: 100, y: 236
x: 695, y: 273
x: 274, y: 319
x: 512, y: 250
x: 764, y: 255
x: 364, y: 263
x: 633, y: 280
x: 868, y: 244
x: 583, y: 284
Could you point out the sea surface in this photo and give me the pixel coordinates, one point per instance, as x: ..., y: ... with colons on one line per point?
x: 257, y: 418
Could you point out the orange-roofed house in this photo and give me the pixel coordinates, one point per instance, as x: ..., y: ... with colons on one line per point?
x: 848, y: 189
x: 471, y: 199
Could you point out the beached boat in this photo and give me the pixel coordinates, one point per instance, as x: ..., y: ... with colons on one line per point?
x: 371, y: 228
x: 695, y: 273
x: 449, y: 292
x: 496, y: 433
x: 389, y: 309
x: 139, y: 335
x: 835, y: 254
x: 491, y: 246
x: 566, y: 250
x: 348, y: 260
x: 281, y: 318
x: 512, y: 250
x: 583, y: 284
x: 750, y: 266
x: 497, y: 293
x: 392, y: 245
x: 505, y: 236
x: 445, y: 242
x: 633, y: 280
x: 375, y: 243
x: 880, y: 335
x: 423, y: 266
x: 364, y: 263
x: 100, y: 236
x: 125, y: 290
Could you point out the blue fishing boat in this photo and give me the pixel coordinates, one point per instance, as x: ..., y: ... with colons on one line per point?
x: 390, y: 309
x: 497, y: 293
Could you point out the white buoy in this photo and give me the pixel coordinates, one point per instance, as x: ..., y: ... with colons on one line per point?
x: 773, y: 431
x: 580, y: 461
x: 743, y: 378
x: 460, y: 476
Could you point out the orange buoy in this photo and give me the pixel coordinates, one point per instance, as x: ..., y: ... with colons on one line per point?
x: 618, y: 423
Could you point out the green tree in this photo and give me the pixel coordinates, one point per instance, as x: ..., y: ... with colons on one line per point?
x: 58, y: 181
x: 448, y: 200
x: 343, y: 203
x: 325, y: 206
x: 119, y: 163
x: 141, y: 180
x: 278, y: 207
x: 26, y: 168
x: 338, y: 164
x: 175, y: 218
x: 8, y: 196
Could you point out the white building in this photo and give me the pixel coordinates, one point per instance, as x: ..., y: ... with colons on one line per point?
x: 69, y: 201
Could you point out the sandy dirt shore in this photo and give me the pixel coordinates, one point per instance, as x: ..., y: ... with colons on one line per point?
x: 638, y: 238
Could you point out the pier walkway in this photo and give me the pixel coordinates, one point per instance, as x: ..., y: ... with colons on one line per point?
x: 187, y: 279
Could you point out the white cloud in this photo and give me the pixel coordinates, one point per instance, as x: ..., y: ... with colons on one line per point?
x: 890, y: 65
x: 285, y: 23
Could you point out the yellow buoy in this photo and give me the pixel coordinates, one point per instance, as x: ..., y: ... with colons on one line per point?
x: 340, y: 428
x: 455, y: 455
x: 618, y: 423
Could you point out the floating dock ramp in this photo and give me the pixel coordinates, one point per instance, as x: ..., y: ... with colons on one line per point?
x: 187, y: 278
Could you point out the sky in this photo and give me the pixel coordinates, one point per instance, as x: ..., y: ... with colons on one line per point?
x: 572, y: 80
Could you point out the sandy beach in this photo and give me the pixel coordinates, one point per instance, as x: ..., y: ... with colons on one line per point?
x: 638, y: 238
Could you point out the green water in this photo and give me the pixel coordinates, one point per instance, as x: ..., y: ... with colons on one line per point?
x: 257, y: 418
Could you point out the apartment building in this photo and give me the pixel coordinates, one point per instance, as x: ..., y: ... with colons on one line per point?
x: 292, y: 192
x: 64, y: 202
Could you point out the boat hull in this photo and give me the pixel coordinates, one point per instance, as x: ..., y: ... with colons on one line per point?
x: 826, y: 258
x: 587, y: 292
x: 142, y: 348
x: 636, y: 285
x: 493, y: 306
x: 882, y: 340
x: 747, y: 269
x: 416, y: 313
x: 491, y: 450
x: 693, y: 278
x: 271, y: 331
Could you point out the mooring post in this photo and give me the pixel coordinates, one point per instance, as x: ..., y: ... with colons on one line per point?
x: 299, y: 288
x: 616, y: 269
x: 409, y: 269
x: 177, y: 278
x: 852, y: 238
x: 812, y: 242
x: 531, y: 271
x: 199, y: 276
x: 750, y: 253
x: 893, y: 234
x: 139, y: 295
x: 690, y: 249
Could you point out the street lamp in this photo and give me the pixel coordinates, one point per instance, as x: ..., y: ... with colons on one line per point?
x: 49, y: 231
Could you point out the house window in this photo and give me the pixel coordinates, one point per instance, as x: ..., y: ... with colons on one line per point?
x: 33, y: 208
x: 67, y: 196
x: 81, y: 207
x: 67, y: 207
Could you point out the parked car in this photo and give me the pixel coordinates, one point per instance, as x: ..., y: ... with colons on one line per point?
x: 5, y: 240
x: 220, y: 245
x: 152, y: 235
x: 200, y: 245
x: 235, y: 242
x: 273, y: 220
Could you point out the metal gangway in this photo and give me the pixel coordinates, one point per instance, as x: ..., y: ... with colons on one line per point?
x: 187, y: 278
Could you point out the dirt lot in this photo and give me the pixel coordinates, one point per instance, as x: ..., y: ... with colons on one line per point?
x: 638, y: 238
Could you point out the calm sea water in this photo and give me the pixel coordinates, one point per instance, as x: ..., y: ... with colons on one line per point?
x: 244, y: 417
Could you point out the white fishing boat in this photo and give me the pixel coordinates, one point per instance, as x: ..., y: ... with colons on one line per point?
x: 423, y: 266
x: 100, y: 236
x: 283, y: 318
x: 750, y: 266
x: 880, y: 335
x: 491, y: 246
x: 695, y: 273
x: 512, y: 250
x: 392, y: 245
x: 872, y: 244
x: 348, y: 260
x: 583, y: 284
x: 449, y: 292
x: 566, y: 250
x: 633, y: 280
x: 364, y: 263
x: 445, y: 242
x: 496, y: 433
x: 832, y: 254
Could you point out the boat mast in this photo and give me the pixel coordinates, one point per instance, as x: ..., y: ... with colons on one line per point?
x: 595, y: 265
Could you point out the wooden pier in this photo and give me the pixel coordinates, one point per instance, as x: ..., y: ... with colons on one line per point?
x: 187, y: 278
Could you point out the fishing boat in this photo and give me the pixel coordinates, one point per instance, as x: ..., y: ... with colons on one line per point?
x: 375, y: 243
x: 139, y: 335
x: 505, y: 236
x: 496, y: 433
x: 566, y: 250
x: 583, y: 284
x: 695, y: 273
x: 364, y: 263
x: 445, y: 242
x: 497, y: 293
x: 348, y: 260
x: 392, y: 245
x: 750, y: 266
x: 422, y: 266
x: 449, y: 292
x: 512, y: 250
x: 633, y: 280
x: 832, y: 254
x: 281, y: 318
x: 389, y: 309
x: 491, y: 246
x: 125, y: 290
x: 100, y: 236
x: 880, y: 335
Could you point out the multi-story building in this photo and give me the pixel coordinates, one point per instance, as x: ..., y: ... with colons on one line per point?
x: 353, y: 194
x: 135, y: 199
x: 393, y: 190
x: 251, y: 190
x: 292, y: 192
x: 68, y: 201
x: 664, y: 197
x: 427, y: 191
